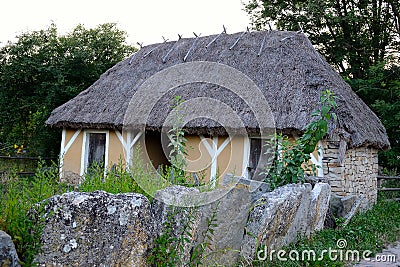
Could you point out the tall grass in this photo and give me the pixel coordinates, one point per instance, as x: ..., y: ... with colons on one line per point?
x: 22, y: 203
x: 22, y: 199
x: 117, y: 180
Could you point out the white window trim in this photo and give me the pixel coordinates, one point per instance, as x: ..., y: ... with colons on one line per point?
x: 85, y: 147
x: 247, y: 152
x: 246, y: 157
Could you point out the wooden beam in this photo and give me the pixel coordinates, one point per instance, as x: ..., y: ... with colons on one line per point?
x: 388, y: 189
x: 381, y: 177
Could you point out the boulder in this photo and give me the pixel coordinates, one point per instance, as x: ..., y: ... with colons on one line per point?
x: 348, y: 203
x: 319, y: 205
x: 96, y: 229
x: 342, y: 205
x: 354, y: 208
x: 182, y: 221
x: 256, y: 188
x: 8, y: 254
x: 231, y: 213
x: 279, y: 217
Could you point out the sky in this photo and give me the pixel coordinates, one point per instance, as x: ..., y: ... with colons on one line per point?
x: 144, y: 21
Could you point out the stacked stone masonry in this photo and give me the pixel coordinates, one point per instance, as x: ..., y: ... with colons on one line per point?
x: 357, y: 174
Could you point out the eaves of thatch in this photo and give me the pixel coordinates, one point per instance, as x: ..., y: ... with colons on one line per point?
x: 289, y: 71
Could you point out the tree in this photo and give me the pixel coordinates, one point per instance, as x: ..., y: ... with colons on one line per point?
x: 361, y: 38
x: 380, y: 89
x: 352, y: 35
x: 41, y: 71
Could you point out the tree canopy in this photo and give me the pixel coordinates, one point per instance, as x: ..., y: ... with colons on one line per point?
x: 361, y: 38
x: 43, y: 70
x: 352, y: 35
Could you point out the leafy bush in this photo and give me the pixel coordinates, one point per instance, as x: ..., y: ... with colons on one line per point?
x: 291, y: 161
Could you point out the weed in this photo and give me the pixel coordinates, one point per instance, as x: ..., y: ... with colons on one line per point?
x: 177, y: 142
x: 169, y: 246
x: 21, y: 207
x: 117, y: 180
x: 198, y: 253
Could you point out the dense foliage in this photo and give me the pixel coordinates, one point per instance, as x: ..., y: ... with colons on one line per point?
x: 292, y: 159
x: 360, y: 38
x: 352, y: 35
x: 43, y: 70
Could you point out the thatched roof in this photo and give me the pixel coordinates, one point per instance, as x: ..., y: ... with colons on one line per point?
x: 289, y: 72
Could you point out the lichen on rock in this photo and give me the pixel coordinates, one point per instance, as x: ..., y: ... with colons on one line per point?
x: 98, y: 228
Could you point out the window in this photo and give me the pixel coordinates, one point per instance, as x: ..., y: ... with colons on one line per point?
x: 254, y: 157
x: 94, y: 150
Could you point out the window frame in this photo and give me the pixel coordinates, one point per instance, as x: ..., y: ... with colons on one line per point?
x: 85, y: 149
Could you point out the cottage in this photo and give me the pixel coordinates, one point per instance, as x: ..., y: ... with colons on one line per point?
x: 130, y: 104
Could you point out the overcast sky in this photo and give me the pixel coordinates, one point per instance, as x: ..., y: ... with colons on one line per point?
x: 144, y: 21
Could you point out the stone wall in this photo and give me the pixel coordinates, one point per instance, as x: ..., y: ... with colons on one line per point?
x: 355, y: 175
x: 102, y: 229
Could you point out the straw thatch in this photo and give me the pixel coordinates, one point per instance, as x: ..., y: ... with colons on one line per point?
x: 289, y: 72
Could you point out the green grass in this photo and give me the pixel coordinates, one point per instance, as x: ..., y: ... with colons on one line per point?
x: 117, y: 180
x: 371, y: 230
x: 21, y: 203
x: 22, y: 199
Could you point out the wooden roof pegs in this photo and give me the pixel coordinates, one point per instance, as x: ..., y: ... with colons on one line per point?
x: 191, y: 48
x: 164, y: 59
x: 237, y: 41
x: 151, y: 51
x: 216, y: 37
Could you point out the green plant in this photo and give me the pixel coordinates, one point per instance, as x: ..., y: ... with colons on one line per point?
x: 291, y: 161
x: 198, y: 253
x: 118, y: 179
x: 169, y: 246
x: 177, y: 143
x: 21, y: 206
x: 163, y: 253
x: 145, y: 176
